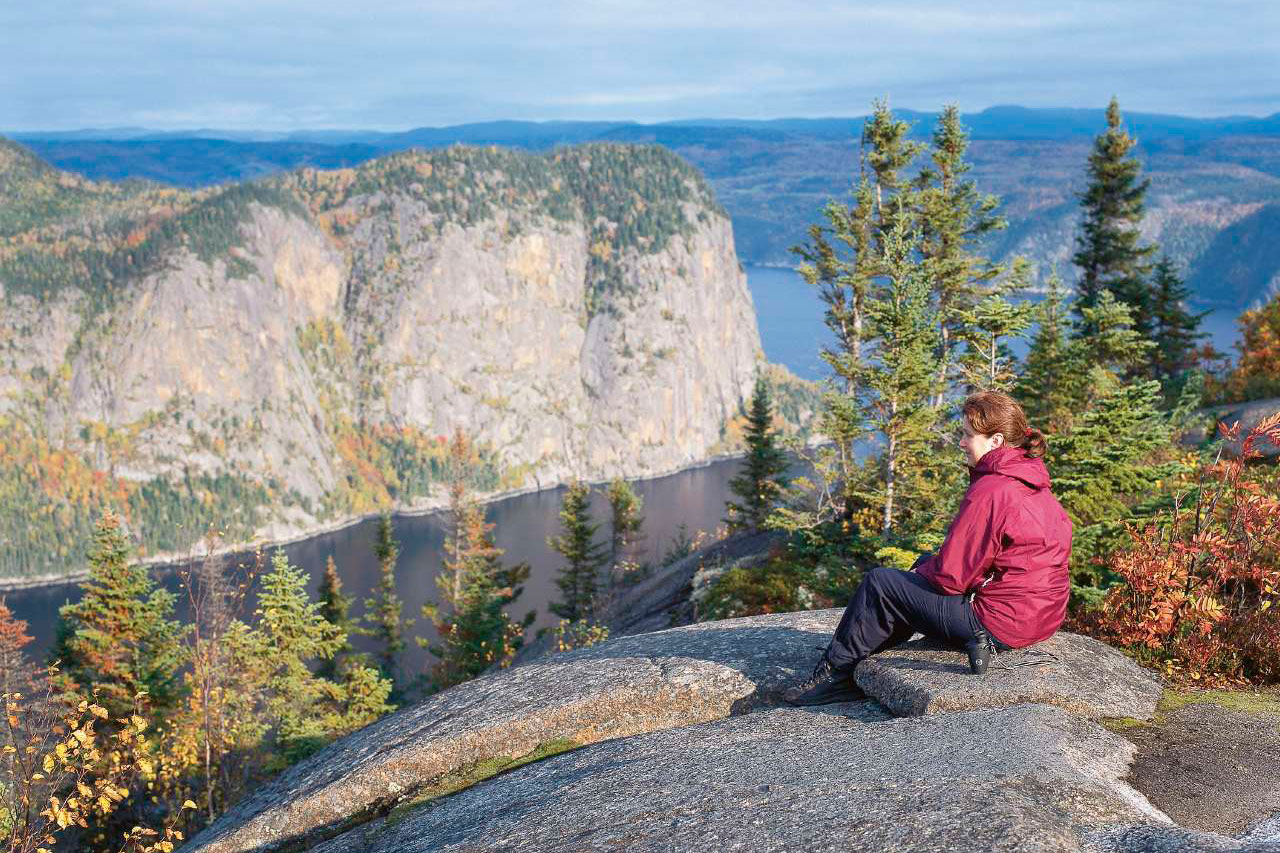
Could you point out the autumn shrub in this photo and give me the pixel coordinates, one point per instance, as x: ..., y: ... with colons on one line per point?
x: 1200, y: 587
x: 65, y: 767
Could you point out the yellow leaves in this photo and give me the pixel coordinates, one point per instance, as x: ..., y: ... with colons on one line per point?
x: 98, y: 711
x: 188, y: 804
x: 138, y: 722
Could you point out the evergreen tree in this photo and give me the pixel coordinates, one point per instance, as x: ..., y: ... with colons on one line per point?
x: 1104, y: 473
x: 954, y: 219
x: 846, y: 285
x: 119, y: 638
x: 888, y: 151
x: 899, y: 382
x: 1040, y: 387
x: 583, y: 556
x: 760, y: 480
x: 301, y: 709
x: 1175, y: 329
x: 1100, y: 359
x: 988, y: 363
x: 1108, y: 249
x: 625, y: 519
x: 335, y: 607
x: 473, y: 587
x: 383, y: 611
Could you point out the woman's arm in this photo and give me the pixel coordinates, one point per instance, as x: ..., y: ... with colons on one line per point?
x: 970, y: 546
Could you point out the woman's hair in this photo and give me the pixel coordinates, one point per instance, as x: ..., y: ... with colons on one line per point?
x: 990, y: 412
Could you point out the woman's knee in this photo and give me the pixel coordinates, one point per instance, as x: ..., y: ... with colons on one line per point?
x: 880, y: 576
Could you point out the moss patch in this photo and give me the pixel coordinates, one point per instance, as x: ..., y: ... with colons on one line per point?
x: 465, y: 777
x: 1246, y: 701
x: 1264, y: 701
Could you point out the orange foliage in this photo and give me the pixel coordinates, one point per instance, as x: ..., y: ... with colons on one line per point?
x: 1200, y: 596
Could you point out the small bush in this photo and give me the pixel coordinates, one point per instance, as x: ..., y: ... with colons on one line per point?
x: 1201, y: 587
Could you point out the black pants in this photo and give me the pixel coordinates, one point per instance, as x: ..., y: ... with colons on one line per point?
x: 889, y: 606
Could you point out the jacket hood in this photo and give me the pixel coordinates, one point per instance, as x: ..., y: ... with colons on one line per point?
x: 1012, y: 462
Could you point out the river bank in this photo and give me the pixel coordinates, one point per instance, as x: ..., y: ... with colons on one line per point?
x: 160, y: 563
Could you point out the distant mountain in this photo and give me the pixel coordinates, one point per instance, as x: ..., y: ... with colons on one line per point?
x: 774, y: 176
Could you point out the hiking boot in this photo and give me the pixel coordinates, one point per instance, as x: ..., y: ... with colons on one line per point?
x: 828, y: 684
x: 980, y: 649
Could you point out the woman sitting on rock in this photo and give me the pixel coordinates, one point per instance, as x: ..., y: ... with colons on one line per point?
x: 1000, y: 580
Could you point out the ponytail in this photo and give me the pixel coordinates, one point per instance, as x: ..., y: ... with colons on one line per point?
x: 1034, y: 443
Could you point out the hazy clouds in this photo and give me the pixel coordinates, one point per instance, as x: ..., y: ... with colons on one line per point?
x: 393, y: 64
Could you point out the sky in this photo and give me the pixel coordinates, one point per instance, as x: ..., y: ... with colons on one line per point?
x: 393, y: 65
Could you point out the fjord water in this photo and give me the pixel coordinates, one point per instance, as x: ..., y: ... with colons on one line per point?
x: 791, y: 329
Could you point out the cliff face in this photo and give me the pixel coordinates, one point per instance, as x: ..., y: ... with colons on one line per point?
x: 268, y: 358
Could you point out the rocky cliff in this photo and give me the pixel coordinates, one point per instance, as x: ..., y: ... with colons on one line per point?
x: 270, y: 357
x: 674, y: 741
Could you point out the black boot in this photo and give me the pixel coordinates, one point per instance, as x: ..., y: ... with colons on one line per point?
x: 980, y: 649
x: 828, y: 684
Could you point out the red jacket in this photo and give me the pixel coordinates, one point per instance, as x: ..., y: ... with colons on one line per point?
x: 1012, y: 527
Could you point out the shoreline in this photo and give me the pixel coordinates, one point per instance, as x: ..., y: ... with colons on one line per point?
x: 162, y: 562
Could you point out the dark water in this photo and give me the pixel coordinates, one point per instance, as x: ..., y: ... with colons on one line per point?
x: 694, y: 498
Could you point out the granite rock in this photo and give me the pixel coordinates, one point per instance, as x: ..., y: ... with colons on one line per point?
x: 624, y: 687
x: 1074, y: 672
x: 1025, y: 778
x: 627, y: 686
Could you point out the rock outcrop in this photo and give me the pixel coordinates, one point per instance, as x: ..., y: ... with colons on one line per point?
x: 682, y: 746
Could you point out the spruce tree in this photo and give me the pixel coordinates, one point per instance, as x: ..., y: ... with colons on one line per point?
x: 954, y: 220
x: 888, y: 151
x: 583, y: 556
x: 843, y: 260
x: 473, y: 587
x: 335, y: 607
x: 301, y: 709
x: 383, y: 610
x: 1041, y: 388
x: 1175, y: 329
x: 899, y: 382
x: 1109, y: 253
x: 625, y: 521
x: 1101, y: 359
x: 760, y: 481
x: 988, y: 363
x: 119, y: 638
x: 1104, y: 474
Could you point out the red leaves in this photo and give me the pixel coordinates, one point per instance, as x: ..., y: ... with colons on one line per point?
x: 1200, y: 595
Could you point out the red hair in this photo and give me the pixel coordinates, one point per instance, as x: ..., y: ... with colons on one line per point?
x: 990, y: 412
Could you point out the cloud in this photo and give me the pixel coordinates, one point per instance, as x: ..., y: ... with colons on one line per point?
x: 393, y: 64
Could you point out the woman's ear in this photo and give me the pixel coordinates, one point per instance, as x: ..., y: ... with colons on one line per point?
x: 997, y: 440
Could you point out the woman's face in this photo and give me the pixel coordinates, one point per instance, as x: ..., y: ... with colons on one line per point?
x: 975, y: 445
